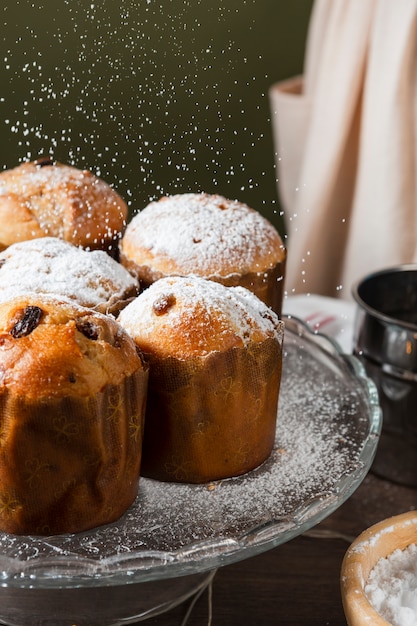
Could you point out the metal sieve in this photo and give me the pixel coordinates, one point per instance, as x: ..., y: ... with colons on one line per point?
x: 385, y: 340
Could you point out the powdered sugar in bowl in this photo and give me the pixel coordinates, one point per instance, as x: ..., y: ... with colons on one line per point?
x: 379, y: 574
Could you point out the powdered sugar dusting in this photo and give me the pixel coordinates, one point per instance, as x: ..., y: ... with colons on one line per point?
x: 27, y: 178
x: 53, y: 266
x: 203, y: 234
x: 73, y: 184
x: 65, y: 201
x: 155, y: 95
x: 391, y: 587
x: 324, y: 422
x: 238, y: 310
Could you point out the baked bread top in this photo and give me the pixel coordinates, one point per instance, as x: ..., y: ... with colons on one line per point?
x: 201, y: 234
x: 52, y: 348
x: 53, y: 266
x: 44, y: 197
x: 185, y: 317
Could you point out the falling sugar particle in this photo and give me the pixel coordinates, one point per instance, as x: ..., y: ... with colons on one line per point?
x: 156, y: 83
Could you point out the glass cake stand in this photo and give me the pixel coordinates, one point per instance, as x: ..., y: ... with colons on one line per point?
x: 172, y: 539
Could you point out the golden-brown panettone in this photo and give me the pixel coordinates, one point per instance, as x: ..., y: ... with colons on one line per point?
x: 43, y: 197
x: 52, y: 266
x: 72, y: 400
x: 208, y: 236
x: 215, y: 356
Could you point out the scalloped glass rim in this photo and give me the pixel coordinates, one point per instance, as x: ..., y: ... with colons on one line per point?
x: 74, y: 569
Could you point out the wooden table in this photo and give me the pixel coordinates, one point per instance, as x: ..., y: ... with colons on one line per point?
x: 296, y: 583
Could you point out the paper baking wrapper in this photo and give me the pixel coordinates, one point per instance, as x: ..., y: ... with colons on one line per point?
x: 267, y: 285
x: 70, y: 464
x: 116, y: 304
x: 212, y: 417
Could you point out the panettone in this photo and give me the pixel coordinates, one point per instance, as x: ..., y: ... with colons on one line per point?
x: 208, y: 236
x: 52, y: 266
x: 43, y: 197
x: 215, y: 356
x: 72, y: 400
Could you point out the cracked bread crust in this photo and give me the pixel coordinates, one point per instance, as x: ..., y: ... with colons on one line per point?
x: 43, y: 197
x: 65, y: 350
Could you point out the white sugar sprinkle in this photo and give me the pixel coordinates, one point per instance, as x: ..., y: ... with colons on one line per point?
x: 205, y: 234
x: 392, y: 587
x: 51, y: 265
x: 242, y: 312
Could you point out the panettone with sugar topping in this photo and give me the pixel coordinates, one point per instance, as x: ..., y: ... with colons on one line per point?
x: 215, y: 356
x: 72, y: 400
x: 53, y: 266
x: 44, y: 197
x: 208, y: 236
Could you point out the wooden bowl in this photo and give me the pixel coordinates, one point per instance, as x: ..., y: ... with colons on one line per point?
x: 375, y: 543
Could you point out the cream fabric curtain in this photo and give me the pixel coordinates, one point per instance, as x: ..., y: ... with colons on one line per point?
x: 346, y: 143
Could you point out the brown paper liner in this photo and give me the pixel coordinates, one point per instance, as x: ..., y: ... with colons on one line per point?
x: 70, y: 464
x: 267, y: 285
x: 115, y: 305
x: 212, y: 417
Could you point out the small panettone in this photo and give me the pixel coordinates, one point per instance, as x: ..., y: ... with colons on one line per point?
x: 72, y: 401
x: 208, y: 236
x: 43, y: 197
x: 52, y: 266
x: 215, y: 356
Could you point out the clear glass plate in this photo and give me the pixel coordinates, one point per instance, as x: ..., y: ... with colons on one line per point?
x: 328, y: 426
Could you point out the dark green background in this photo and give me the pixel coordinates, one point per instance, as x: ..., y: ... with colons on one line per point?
x: 154, y: 96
